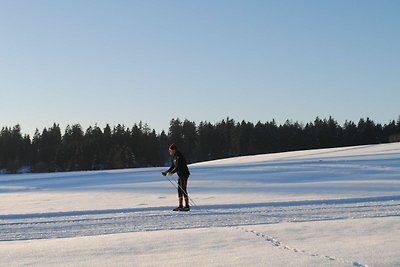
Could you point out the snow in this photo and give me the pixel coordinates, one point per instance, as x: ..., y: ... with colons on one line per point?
x: 327, y: 207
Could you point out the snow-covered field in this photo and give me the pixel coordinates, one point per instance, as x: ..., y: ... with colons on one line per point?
x: 329, y: 207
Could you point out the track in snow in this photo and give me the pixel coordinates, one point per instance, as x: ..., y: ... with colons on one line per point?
x: 101, y: 222
x: 276, y: 243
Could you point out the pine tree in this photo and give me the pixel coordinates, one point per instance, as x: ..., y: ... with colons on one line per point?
x: 189, y: 140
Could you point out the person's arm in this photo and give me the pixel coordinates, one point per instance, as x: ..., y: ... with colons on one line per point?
x: 171, y: 169
x: 174, y: 167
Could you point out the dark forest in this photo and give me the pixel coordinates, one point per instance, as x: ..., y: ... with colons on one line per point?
x: 76, y: 149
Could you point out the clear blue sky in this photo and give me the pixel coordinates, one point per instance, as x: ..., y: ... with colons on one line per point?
x: 123, y: 62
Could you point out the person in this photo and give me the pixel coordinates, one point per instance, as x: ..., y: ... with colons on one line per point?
x: 180, y: 167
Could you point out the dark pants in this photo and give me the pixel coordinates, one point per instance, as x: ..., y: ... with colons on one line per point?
x: 182, y: 190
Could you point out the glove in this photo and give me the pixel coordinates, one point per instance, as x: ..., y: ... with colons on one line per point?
x: 164, y: 173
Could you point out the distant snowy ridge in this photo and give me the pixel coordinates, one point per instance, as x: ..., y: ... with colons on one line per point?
x: 364, y: 150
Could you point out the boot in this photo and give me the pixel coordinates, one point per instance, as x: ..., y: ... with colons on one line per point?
x: 179, y: 208
x: 186, y: 208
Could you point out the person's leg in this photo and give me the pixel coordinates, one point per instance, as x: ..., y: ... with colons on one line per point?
x: 180, y: 192
x: 184, y: 189
x: 180, y: 199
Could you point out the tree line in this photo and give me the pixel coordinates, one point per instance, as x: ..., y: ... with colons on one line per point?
x: 139, y: 146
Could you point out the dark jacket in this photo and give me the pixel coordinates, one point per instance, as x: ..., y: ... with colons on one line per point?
x: 179, y: 165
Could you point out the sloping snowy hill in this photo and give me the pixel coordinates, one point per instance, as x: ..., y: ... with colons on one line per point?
x: 327, y: 207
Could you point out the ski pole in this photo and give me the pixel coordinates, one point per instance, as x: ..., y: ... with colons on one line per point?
x: 176, y: 185
x: 190, y: 199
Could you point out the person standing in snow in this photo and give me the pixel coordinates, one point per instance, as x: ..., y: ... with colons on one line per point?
x: 180, y: 167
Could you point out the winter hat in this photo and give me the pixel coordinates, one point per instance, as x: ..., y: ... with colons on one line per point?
x: 172, y: 147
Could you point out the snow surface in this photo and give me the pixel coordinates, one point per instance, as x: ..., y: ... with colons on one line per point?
x: 327, y: 207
